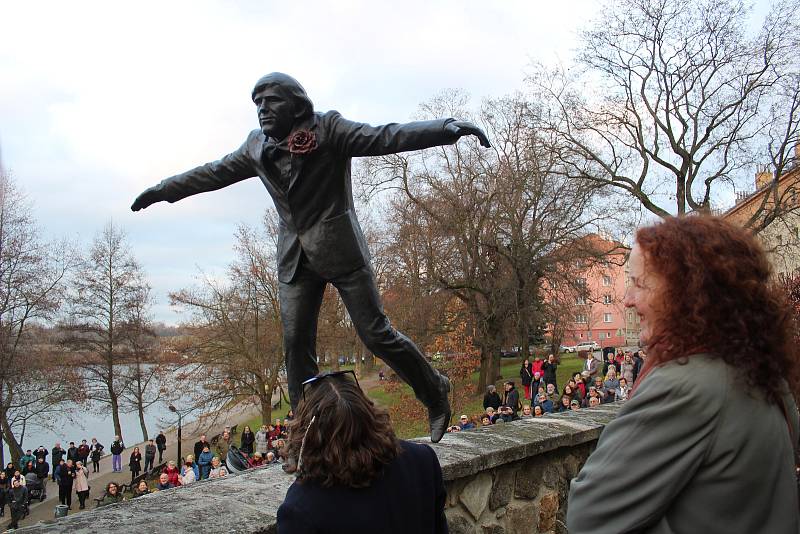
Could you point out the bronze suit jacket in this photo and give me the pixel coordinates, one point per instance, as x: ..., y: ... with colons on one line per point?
x: 312, y: 192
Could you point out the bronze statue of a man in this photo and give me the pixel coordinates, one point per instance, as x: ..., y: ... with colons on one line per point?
x: 303, y: 159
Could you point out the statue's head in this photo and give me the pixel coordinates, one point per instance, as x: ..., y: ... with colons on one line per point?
x: 281, y: 101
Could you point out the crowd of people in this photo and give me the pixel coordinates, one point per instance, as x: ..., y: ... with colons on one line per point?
x: 598, y: 383
x: 27, y: 480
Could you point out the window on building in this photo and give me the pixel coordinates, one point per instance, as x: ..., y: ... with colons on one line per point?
x: 619, y: 331
x: 580, y: 318
x: 580, y: 282
x: 609, y: 335
x: 580, y: 300
x: 606, y: 281
x: 602, y: 335
x: 607, y: 299
x: 580, y: 336
x: 607, y: 317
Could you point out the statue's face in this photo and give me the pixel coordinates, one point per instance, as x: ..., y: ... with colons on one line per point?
x: 275, y: 113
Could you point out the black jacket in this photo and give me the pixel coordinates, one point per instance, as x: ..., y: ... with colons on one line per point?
x: 549, y: 370
x: 492, y: 399
x: 161, y: 442
x: 117, y: 447
x: 312, y: 192
x: 526, y: 375
x: 408, y: 498
x: 42, y: 470
x: 57, y: 454
x: 511, y: 398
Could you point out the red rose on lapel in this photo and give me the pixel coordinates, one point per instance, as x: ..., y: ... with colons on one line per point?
x: 302, y: 142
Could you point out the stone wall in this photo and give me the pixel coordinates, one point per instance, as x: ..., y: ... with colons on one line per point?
x: 504, y: 479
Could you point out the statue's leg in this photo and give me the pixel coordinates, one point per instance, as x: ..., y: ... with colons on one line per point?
x: 300, y: 303
x: 360, y: 295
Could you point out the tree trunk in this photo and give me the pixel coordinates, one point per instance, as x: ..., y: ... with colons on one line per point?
x: 112, y: 395
x: 141, y: 420
x: 369, y: 359
x: 486, y: 370
x: 13, y: 446
x: 266, y: 407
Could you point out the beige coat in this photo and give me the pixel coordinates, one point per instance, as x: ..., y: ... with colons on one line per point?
x: 692, y: 451
x: 81, y: 479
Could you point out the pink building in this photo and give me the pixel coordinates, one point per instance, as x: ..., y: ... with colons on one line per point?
x: 598, y: 312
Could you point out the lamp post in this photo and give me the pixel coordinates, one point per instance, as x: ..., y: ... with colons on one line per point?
x: 180, y: 428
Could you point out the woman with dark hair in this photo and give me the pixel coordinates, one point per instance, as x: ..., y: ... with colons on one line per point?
x: 706, y: 441
x: 247, y: 440
x: 135, y: 463
x: 563, y: 406
x: 353, y: 474
x: 526, y: 377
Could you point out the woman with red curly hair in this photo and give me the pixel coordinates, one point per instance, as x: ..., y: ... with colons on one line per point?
x: 707, y: 441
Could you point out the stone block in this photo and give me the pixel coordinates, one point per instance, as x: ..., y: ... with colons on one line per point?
x: 502, y: 487
x: 521, y: 517
x: 457, y: 523
x: 492, y: 528
x: 548, y: 509
x: 475, y: 495
x: 529, y: 479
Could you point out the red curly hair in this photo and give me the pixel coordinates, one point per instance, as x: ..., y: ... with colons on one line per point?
x: 719, y: 296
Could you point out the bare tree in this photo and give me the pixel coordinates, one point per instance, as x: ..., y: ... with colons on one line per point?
x: 489, y: 226
x: 235, y: 336
x: 146, y: 375
x: 674, y: 102
x: 32, y: 275
x: 107, y: 292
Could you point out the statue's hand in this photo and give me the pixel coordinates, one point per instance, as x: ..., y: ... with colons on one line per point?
x: 149, y: 196
x: 462, y: 128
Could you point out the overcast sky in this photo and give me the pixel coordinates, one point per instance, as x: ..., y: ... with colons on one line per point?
x: 99, y: 100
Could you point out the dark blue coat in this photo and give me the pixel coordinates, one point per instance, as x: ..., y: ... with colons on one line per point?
x: 408, y: 498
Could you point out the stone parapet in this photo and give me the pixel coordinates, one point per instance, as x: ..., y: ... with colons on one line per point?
x: 502, y: 479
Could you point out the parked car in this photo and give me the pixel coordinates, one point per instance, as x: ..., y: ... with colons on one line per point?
x: 587, y: 346
x: 568, y: 348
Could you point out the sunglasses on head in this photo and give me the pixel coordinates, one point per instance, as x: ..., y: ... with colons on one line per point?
x: 322, y: 376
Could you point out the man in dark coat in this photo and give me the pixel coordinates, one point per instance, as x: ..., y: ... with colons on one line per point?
x: 56, y: 455
x: 511, y: 397
x: 17, y: 502
x: 303, y: 159
x: 72, y: 452
x: 42, y: 470
x: 161, y: 444
x: 150, y: 455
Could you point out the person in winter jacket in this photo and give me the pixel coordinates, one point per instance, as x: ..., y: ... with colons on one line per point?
x: 17, y: 502
x: 95, y: 454
x: 492, y: 398
x: 204, y: 462
x: 81, y: 484
x: 117, y: 446
x: 149, y: 455
x: 56, y: 455
x: 190, y: 472
x: 135, y: 463
x: 262, y: 440
x: 161, y: 444
x: 247, y: 441
x: 173, y: 472
x: 511, y: 397
x: 27, y: 457
x: 526, y: 377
